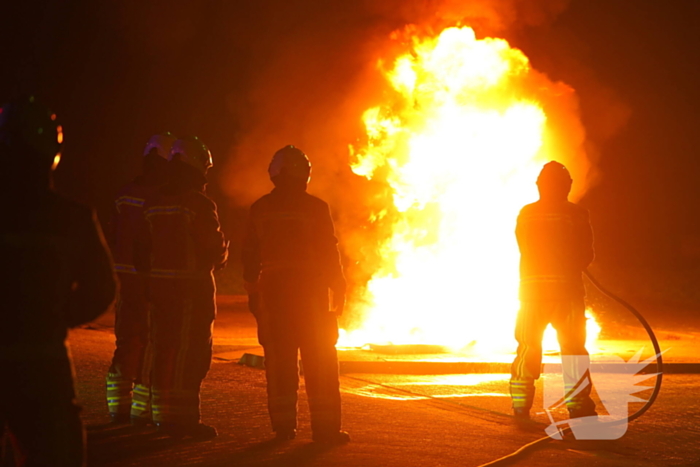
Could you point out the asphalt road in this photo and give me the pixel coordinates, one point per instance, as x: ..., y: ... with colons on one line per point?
x: 394, y: 420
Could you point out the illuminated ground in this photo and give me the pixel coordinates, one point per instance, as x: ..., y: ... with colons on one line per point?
x: 394, y: 420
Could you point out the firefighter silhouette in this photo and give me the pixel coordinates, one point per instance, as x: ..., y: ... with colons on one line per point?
x: 291, y: 261
x: 183, y: 239
x: 57, y: 274
x: 127, y: 372
x: 556, y: 245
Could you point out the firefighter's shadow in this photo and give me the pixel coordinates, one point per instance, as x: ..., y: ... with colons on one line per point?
x: 110, y: 445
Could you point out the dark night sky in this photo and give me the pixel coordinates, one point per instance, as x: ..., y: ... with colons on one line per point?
x: 648, y: 55
x: 118, y: 71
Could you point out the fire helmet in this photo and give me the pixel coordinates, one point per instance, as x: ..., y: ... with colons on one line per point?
x: 554, y: 177
x: 29, y: 127
x: 290, y: 161
x: 160, y: 145
x: 192, y: 151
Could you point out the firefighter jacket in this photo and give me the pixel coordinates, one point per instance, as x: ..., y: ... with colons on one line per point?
x: 126, y: 223
x: 187, y: 239
x: 57, y: 273
x: 291, y: 230
x: 556, y: 245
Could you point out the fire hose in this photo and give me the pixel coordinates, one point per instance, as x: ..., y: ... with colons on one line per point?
x: 526, y: 449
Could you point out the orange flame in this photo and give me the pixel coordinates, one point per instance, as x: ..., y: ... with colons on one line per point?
x: 460, y: 142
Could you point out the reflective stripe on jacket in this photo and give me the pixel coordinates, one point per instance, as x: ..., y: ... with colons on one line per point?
x: 291, y: 230
x: 184, y: 235
x: 127, y: 223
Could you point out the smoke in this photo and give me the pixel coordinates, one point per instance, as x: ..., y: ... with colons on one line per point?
x: 492, y: 16
x: 314, y: 73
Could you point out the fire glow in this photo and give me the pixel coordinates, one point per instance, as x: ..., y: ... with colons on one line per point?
x: 459, y: 140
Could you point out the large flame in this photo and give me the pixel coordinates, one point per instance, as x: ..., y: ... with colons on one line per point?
x: 460, y: 141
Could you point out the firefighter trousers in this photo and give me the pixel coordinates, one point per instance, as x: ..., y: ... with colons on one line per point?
x: 37, y: 404
x: 568, y: 318
x: 182, y: 318
x: 284, y: 338
x: 129, y: 369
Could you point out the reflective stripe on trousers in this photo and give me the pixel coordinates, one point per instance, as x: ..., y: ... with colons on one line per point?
x: 141, y: 402
x: 118, y: 394
x: 283, y: 342
x: 131, y: 329
x: 183, y: 315
x: 175, y: 405
x: 569, y: 320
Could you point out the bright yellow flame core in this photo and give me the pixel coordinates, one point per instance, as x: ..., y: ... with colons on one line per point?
x: 460, y: 144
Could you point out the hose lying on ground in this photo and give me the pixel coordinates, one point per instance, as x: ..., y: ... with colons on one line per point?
x: 526, y: 449
x: 652, y: 337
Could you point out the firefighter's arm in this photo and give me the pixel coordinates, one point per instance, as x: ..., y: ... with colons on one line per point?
x: 250, y: 255
x: 111, y: 230
x: 587, y: 253
x: 330, y: 256
x: 210, y: 236
x: 143, y: 244
x: 95, y: 285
